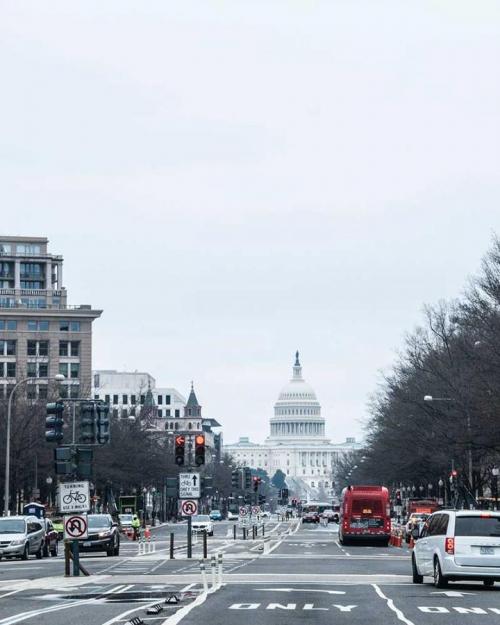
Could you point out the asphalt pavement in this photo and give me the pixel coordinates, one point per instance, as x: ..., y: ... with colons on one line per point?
x: 292, y: 572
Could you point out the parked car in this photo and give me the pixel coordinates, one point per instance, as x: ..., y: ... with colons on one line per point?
x: 232, y: 516
x: 216, y: 515
x: 103, y: 535
x: 415, y: 519
x: 51, y: 542
x: 202, y: 522
x: 125, y: 521
x: 310, y: 517
x: 458, y: 545
x: 21, y: 536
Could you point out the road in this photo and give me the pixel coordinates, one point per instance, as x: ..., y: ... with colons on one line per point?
x: 294, y: 573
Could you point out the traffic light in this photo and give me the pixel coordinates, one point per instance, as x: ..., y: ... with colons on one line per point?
x: 54, y: 422
x: 199, y: 449
x: 88, y: 423
x: 207, y: 485
x: 64, y: 461
x: 235, y: 480
x: 84, y: 459
x: 262, y: 500
x: 180, y: 449
x: 398, y: 498
x: 247, y: 478
x: 103, y: 431
x: 172, y: 483
x: 256, y: 483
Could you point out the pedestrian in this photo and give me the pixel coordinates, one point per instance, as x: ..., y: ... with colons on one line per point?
x: 136, y: 524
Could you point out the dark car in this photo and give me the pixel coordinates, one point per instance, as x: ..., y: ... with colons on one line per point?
x: 51, y: 542
x: 103, y: 535
x: 310, y: 517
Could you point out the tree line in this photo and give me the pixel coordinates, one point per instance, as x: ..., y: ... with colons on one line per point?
x: 438, y: 407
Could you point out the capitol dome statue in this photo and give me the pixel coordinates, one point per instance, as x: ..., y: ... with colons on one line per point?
x: 297, y: 413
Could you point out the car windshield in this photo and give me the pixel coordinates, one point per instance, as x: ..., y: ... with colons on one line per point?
x: 96, y: 521
x: 215, y: 511
x: 477, y: 526
x: 201, y: 518
x: 12, y: 526
x: 126, y: 518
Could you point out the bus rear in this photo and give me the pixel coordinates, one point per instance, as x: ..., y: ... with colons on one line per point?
x: 365, y: 514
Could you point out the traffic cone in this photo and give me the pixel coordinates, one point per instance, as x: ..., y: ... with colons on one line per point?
x: 412, y: 543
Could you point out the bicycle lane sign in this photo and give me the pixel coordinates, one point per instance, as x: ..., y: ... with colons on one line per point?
x: 74, y: 497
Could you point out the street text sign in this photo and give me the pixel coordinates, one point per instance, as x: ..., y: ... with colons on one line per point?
x: 75, y: 526
x: 74, y: 497
x: 188, y: 507
x: 189, y: 486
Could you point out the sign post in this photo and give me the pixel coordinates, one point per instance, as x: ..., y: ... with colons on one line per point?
x: 188, y: 508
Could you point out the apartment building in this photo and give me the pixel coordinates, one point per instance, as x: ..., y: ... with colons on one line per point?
x: 41, y: 335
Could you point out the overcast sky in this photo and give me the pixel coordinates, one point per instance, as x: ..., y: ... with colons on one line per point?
x: 231, y: 181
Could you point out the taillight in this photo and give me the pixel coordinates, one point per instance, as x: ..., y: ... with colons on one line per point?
x: 449, y: 546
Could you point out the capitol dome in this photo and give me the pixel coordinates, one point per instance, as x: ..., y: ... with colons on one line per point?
x: 297, y: 413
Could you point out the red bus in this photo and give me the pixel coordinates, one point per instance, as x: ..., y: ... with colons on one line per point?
x: 365, y: 513
x: 422, y: 506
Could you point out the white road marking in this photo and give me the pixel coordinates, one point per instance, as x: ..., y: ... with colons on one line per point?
x: 7, y: 594
x: 329, y: 592
x: 391, y: 606
x: 24, y: 616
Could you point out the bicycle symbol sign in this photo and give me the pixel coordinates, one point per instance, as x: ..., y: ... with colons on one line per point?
x: 74, y: 497
x: 188, y: 507
x: 75, y: 526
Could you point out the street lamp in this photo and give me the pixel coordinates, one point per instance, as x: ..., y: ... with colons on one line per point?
x: 441, y: 496
x: 58, y: 378
x: 429, y: 489
x: 495, y: 471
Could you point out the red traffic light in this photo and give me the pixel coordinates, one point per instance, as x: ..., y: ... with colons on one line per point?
x: 180, y: 440
x: 200, y: 439
x: 454, y: 473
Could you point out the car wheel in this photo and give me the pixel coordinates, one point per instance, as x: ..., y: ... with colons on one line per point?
x: 417, y: 578
x: 210, y: 533
x: 489, y: 583
x: 440, y: 580
x: 54, y: 550
x: 116, y: 550
x: 26, y: 552
x: 39, y: 553
x: 45, y: 550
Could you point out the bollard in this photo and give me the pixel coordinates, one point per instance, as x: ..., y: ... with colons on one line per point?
x: 263, y: 529
x: 220, y: 568
x: 234, y: 531
x: 213, y: 565
x: 67, y: 569
x: 244, y: 533
x: 171, y: 545
x: 254, y: 532
x: 205, y: 547
x: 153, y: 544
x: 203, y: 576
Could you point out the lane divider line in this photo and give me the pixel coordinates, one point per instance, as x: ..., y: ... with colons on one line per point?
x: 391, y: 606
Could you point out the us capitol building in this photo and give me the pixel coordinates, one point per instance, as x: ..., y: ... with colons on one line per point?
x: 297, y: 443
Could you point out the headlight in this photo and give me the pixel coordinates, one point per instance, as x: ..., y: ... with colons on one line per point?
x: 15, y: 543
x: 104, y: 534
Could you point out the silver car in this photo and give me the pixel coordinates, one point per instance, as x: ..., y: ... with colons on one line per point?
x: 458, y: 545
x: 21, y: 536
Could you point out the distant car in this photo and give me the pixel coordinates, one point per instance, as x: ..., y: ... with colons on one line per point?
x: 21, y: 536
x: 51, y: 542
x: 310, y: 517
x: 330, y: 515
x: 414, y: 519
x: 202, y: 523
x: 265, y: 514
x: 216, y: 515
x: 103, y: 535
x: 457, y: 545
x: 125, y: 520
x: 232, y: 516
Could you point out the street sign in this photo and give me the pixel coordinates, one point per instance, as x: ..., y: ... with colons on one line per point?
x: 189, y: 486
x: 243, y: 511
x: 256, y: 510
x: 74, y: 497
x: 75, y: 526
x: 188, y: 507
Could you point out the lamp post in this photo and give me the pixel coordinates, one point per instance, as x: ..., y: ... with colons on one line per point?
x: 429, y: 489
x: 430, y: 398
x: 441, y: 484
x: 59, y: 377
x: 495, y: 471
x: 48, y: 481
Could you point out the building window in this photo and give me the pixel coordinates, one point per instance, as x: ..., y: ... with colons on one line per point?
x: 71, y: 348
x: 9, y: 325
x: 43, y: 370
x: 75, y: 369
x: 96, y: 375
x: 106, y: 398
x: 167, y: 412
x: 115, y: 399
x: 7, y: 348
x: 37, y: 348
x: 37, y: 326
x: 69, y: 326
x: 159, y: 413
x: 177, y: 413
x: 74, y: 391
x: 31, y: 369
x: 124, y: 400
x: 160, y: 400
x: 43, y: 391
x: 132, y: 400
x: 31, y: 391
x: 143, y: 399
x: 96, y: 397
x: 167, y: 399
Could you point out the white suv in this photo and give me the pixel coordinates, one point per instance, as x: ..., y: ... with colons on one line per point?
x: 458, y: 545
x: 202, y: 523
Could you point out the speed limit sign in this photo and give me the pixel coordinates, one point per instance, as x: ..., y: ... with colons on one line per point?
x: 188, y: 507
